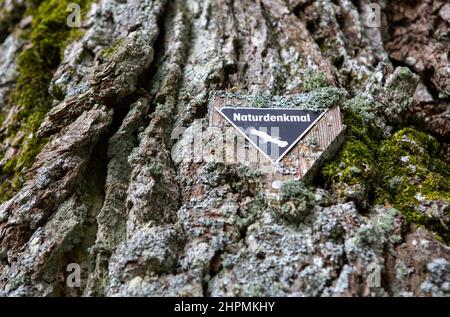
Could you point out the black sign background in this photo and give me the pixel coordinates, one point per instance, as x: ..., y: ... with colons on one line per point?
x: 278, y: 143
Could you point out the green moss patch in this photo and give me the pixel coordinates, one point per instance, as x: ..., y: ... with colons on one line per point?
x: 416, y: 180
x: 406, y: 171
x: 356, y: 163
x: 48, y: 36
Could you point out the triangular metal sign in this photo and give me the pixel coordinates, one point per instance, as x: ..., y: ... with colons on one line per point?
x: 273, y: 131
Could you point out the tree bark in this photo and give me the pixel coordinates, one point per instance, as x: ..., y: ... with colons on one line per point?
x: 103, y: 191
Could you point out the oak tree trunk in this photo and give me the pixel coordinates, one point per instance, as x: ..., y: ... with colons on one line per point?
x: 87, y: 167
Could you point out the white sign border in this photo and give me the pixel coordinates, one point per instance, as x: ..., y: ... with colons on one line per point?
x: 257, y: 147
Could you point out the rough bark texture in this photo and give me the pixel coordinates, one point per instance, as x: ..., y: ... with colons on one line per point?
x: 88, y: 176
